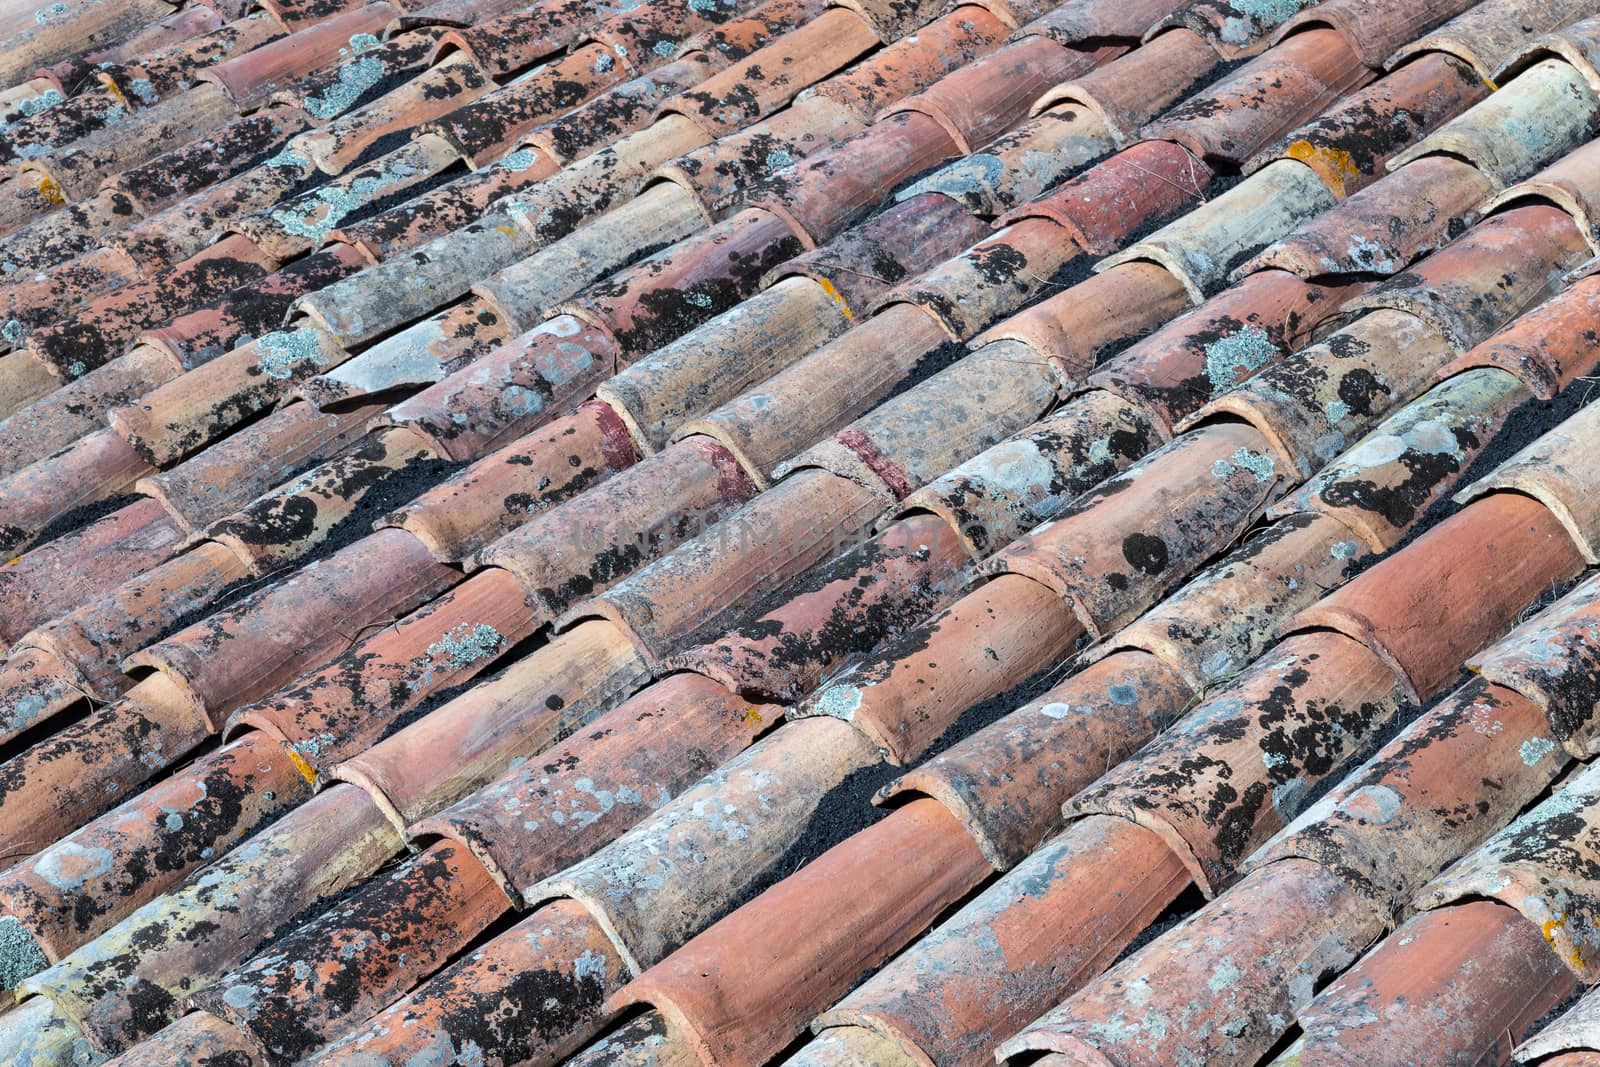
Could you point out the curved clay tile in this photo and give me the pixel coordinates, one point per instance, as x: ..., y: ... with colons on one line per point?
x: 661, y: 882
x: 1202, y: 246
x: 706, y: 584
x: 198, y: 1038
x: 580, y: 794
x: 1250, y: 108
x: 997, y: 496
x: 468, y: 742
x: 1348, y: 144
x: 252, y: 77
x: 1487, y: 34
x: 1481, y: 952
x: 333, y: 712
x: 741, y: 990
x: 1576, y: 43
x: 625, y: 109
x: 351, y: 961
x: 840, y: 610
x: 300, y: 861
x: 92, y: 468
x: 1374, y: 30
x: 936, y: 1003
x: 509, y: 486
x: 163, y: 832
x: 533, y: 993
x: 1384, y: 227
x: 722, y: 358
x: 1569, y: 183
x: 1541, y: 114
x: 69, y: 412
x: 1199, y: 356
x: 148, y: 75
x: 1395, y: 473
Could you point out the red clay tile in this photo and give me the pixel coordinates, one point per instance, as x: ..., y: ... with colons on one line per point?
x: 1348, y: 144
x: 1233, y: 772
x: 1553, y: 470
x: 1195, y: 358
x: 77, y: 170
x: 1375, y: 31
x: 1485, y: 35
x: 62, y: 123
x: 983, y: 99
x: 622, y: 110
x: 60, y: 783
x: 1379, y: 486
x: 64, y: 236
x: 65, y: 572
x: 1295, y: 923
x: 511, y: 391
x: 1550, y: 103
x: 515, y: 716
x: 971, y: 291
x: 719, y: 174
x: 1400, y: 1002
x: 825, y: 193
x: 702, y: 586
x: 1072, y: 328
x: 340, y: 967
x: 250, y: 78
x: 1006, y: 783
x: 835, y: 612
x: 297, y: 13
x: 486, y: 123
x: 717, y: 361
x: 91, y: 641
x: 309, y: 617
x: 1547, y: 660
x: 662, y: 881
x: 992, y: 640
x: 752, y: 89
x: 66, y: 414
x: 1568, y: 1041
x: 959, y: 412
x: 104, y: 329
x: 576, y: 796
x: 1130, y: 91
x: 197, y: 408
x: 578, y: 264
x: 64, y: 898
x: 175, y: 233
x: 1227, y: 615
x: 503, y: 45
x: 997, y: 496
x: 165, y: 34
x: 504, y: 489
x: 643, y: 307
x: 31, y: 300
x: 280, y: 526
x: 497, y: 1001
x: 36, y: 687
x: 187, y: 939
x: 1030, y: 931
x: 802, y: 402
x: 93, y: 468
x: 1199, y: 246
x: 1384, y: 227
x: 200, y: 1039
x: 146, y: 75
x: 1408, y: 812
x: 1115, y: 552
x: 1272, y: 94
x: 742, y: 989
x: 218, y: 481
x: 335, y: 711
x: 569, y: 552
x: 1569, y: 183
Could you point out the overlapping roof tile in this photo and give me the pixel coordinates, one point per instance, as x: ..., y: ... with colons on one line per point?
x: 831, y: 532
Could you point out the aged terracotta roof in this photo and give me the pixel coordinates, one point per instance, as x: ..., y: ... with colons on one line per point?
x: 708, y: 533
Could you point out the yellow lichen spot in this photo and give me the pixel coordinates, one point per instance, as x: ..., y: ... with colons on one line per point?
x: 116, y: 90
x: 1493, y: 88
x: 752, y: 716
x: 51, y: 190
x: 509, y: 231
x: 308, y: 772
x: 1334, y: 165
x: 1548, y: 929
x: 837, y: 297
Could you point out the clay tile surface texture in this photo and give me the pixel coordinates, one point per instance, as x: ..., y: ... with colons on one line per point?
x: 865, y: 533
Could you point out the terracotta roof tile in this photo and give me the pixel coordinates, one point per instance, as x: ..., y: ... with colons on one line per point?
x: 594, y: 446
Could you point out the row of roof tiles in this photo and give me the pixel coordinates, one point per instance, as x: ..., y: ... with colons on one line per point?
x: 719, y: 364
